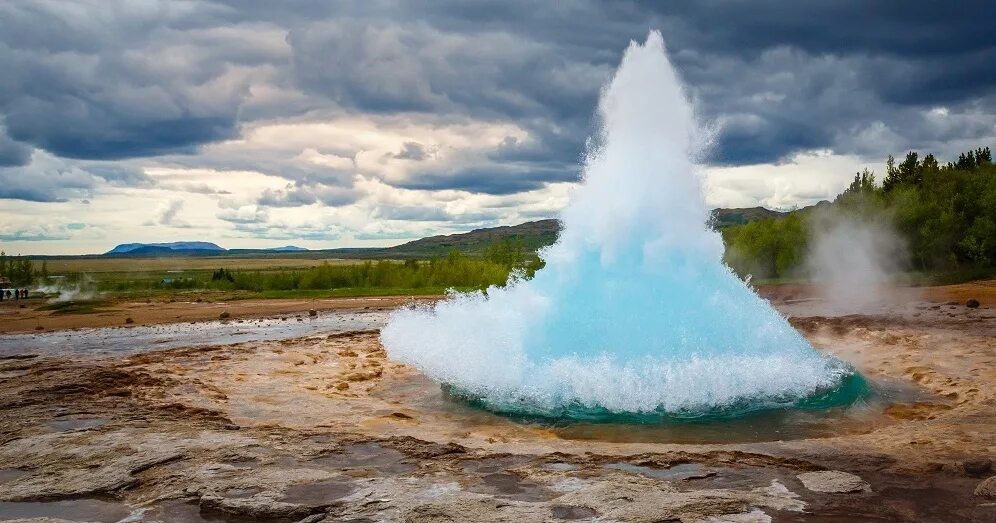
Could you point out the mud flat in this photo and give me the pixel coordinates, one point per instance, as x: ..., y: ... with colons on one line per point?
x: 319, y: 425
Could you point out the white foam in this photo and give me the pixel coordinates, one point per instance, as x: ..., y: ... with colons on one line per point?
x: 634, y: 311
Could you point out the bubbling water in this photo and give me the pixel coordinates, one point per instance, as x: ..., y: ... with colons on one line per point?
x: 635, y: 311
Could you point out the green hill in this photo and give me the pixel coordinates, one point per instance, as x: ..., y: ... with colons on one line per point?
x: 532, y: 235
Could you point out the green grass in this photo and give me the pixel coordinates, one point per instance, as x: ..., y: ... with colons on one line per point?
x: 136, y: 281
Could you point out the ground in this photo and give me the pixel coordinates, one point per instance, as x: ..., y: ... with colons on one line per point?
x: 324, y: 427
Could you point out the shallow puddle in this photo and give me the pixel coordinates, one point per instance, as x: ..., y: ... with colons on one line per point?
x: 69, y: 510
x: 511, y: 486
x: 179, y: 511
x: 316, y: 494
x: 76, y: 423
x: 11, y: 474
x: 365, y: 456
x: 566, y: 512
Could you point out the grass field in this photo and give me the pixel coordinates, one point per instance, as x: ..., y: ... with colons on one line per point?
x: 233, y: 277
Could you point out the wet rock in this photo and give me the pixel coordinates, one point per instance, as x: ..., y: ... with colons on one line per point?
x: 113, y: 475
x: 977, y: 467
x: 225, y: 315
x: 987, y: 489
x: 972, y: 303
x: 570, y: 513
x: 312, y: 313
x: 129, y: 320
x: 646, y: 500
x: 260, y: 506
x: 833, y: 481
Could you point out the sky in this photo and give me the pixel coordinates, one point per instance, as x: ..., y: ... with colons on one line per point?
x: 254, y: 123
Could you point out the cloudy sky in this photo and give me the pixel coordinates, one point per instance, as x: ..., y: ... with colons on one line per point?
x: 255, y: 123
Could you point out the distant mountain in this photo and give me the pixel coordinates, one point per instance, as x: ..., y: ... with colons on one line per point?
x: 286, y: 248
x: 154, y: 248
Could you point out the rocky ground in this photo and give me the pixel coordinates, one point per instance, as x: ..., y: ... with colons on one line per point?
x: 326, y: 428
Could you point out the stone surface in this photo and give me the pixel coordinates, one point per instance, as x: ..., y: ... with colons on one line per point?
x: 833, y: 481
x: 978, y: 467
x: 261, y: 430
x: 987, y: 489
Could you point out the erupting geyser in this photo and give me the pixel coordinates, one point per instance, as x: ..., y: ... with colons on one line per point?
x: 635, y: 311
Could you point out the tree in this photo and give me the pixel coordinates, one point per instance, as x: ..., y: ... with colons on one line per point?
x: 983, y: 156
x: 864, y: 182
x: 966, y: 161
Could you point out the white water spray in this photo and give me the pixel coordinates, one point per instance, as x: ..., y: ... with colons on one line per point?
x: 635, y: 311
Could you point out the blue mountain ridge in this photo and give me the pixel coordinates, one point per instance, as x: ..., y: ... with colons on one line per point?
x: 185, y: 247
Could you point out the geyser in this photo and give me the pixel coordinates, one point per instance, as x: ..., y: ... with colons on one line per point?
x: 635, y: 312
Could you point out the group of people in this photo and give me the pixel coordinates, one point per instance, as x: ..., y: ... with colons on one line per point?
x: 13, y: 294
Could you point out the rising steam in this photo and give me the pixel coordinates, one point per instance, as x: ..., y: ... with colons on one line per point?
x: 853, y: 261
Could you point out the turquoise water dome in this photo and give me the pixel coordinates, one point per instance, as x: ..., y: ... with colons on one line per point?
x: 635, y: 314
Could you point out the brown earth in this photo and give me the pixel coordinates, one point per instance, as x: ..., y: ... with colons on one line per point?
x: 327, y: 428
x: 15, y: 318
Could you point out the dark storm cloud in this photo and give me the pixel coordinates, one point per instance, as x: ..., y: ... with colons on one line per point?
x: 497, y: 179
x: 12, y: 153
x: 102, y: 80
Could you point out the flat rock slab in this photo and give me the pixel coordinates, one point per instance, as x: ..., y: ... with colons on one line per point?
x: 833, y: 481
x: 987, y: 489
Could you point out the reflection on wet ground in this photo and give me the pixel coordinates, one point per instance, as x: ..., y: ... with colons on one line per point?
x: 130, y: 340
x: 317, y: 494
x: 11, y: 474
x: 180, y: 511
x: 64, y: 424
x: 568, y: 512
x: 511, y: 486
x: 70, y: 510
x: 369, y: 456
